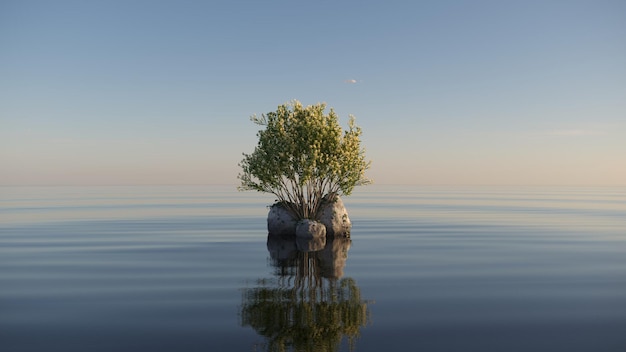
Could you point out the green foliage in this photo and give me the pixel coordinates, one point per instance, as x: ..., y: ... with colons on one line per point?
x: 303, y: 155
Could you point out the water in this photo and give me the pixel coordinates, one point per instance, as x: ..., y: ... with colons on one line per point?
x: 426, y: 269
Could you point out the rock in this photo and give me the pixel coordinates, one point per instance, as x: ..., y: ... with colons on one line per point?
x: 280, y: 222
x: 334, y: 216
x: 309, y: 229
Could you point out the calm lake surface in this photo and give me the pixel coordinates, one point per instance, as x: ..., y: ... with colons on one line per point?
x: 426, y: 269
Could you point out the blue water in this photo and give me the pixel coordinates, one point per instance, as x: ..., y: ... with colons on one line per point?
x: 426, y: 269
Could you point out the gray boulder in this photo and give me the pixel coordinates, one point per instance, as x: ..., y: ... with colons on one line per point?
x: 280, y: 221
x: 309, y: 229
x: 334, y: 216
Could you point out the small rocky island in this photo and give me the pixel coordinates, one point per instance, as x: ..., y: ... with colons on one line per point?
x: 332, y: 220
x: 307, y: 161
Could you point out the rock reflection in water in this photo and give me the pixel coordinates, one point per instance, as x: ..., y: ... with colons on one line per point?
x: 308, y: 305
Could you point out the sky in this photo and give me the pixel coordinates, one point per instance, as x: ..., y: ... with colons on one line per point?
x: 446, y: 92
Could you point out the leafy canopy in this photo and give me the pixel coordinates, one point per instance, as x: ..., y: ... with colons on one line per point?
x: 304, y: 155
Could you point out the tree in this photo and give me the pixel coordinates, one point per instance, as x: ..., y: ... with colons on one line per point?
x: 304, y: 158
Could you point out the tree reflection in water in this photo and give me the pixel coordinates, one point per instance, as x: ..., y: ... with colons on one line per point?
x: 308, y: 306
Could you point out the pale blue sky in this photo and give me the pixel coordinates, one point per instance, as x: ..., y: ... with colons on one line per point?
x: 447, y: 92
